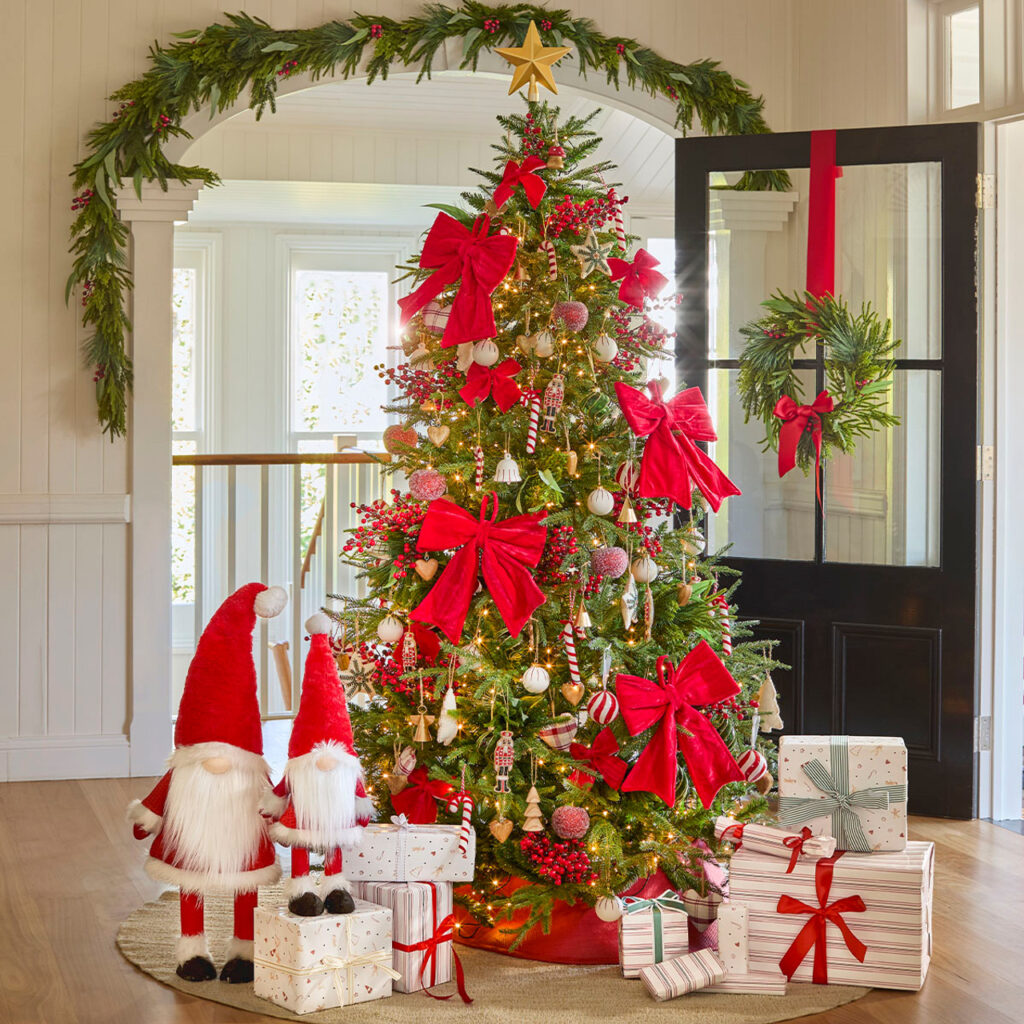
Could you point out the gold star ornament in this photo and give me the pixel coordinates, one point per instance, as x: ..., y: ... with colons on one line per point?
x: 532, y: 62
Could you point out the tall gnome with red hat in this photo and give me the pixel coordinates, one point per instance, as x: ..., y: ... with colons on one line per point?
x: 320, y: 803
x: 209, y: 835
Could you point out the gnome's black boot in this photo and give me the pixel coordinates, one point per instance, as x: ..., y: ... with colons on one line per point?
x: 194, y: 962
x: 339, y: 901
x: 237, y: 969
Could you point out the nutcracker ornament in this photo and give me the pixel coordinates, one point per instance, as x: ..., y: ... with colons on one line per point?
x: 504, y: 755
x: 554, y: 395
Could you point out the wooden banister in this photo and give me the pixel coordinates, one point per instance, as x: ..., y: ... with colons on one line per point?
x: 283, y: 459
x: 311, y: 550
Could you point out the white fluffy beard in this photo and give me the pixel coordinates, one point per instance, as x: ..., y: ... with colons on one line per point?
x: 212, y: 822
x: 325, y: 802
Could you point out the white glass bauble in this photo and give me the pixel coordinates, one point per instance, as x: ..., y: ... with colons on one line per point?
x: 536, y: 679
x: 600, y: 501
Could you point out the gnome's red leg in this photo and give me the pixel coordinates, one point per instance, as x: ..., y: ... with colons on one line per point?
x: 245, y: 904
x: 194, y: 963
x: 301, y: 889
x: 338, y: 899
x: 238, y: 967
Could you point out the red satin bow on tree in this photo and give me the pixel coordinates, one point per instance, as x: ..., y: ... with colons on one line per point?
x: 504, y: 553
x: 497, y: 381
x: 418, y: 801
x: 454, y: 251
x: 639, y: 279
x: 671, y: 705
x: 599, y: 759
x: 813, y: 933
x: 672, y: 464
x: 795, y: 420
x: 521, y: 174
x: 796, y: 845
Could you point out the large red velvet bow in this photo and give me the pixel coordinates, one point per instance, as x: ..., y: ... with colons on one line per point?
x: 599, y: 759
x: 671, y: 705
x: 454, y: 251
x: 796, y: 847
x: 639, y: 279
x: 795, y: 420
x: 672, y: 464
x: 813, y: 933
x: 418, y: 801
x: 521, y: 174
x: 482, y: 381
x: 502, y: 552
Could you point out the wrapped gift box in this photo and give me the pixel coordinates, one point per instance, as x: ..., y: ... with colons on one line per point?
x: 682, y: 974
x: 315, y: 963
x: 651, y: 932
x: 419, y: 910
x: 411, y: 853
x: 733, y: 927
x: 775, y: 841
x: 884, y: 900
x: 869, y: 770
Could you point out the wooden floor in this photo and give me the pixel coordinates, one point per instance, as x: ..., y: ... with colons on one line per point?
x: 70, y: 872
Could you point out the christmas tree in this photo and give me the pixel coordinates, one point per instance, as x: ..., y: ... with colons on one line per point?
x: 558, y: 589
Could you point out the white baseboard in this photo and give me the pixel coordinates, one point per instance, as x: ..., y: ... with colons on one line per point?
x: 33, y: 758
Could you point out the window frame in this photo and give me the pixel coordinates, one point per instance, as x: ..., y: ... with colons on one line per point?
x: 939, y: 14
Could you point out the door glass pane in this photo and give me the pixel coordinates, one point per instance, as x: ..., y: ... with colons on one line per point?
x: 882, y: 502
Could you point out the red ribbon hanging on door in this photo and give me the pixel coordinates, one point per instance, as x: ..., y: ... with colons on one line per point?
x: 821, y: 215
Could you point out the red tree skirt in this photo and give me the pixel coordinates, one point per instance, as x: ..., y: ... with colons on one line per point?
x: 577, y: 935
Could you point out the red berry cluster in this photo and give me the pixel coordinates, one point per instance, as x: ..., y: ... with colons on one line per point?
x: 376, y: 31
x: 593, y: 585
x: 672, y: 94
x: 546, y: 26
x: 491, y: 25
x: 620, y: 49
x: 379, y: 520
x: 579, y: 217
x: 163, y: 124
x: 644, y: 507
x: 121, y: 109
x: 81, y: 201
x: 99, y: 374
x: 87, y: 287
x: 421, y: 385
x: 287, y: 68
x: 776, y: 333
x: 562, y: 861
x: 533, y: 142
x: 560, y: 544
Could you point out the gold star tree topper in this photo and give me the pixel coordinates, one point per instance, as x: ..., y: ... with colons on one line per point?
x: 532, y: 62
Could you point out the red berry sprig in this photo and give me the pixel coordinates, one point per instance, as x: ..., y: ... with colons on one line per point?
x: 87, y: 287
x: 559, y: 862
x: 163, y: 125
x: 82, y: 200
x: 121, y: 109
x: 376, y: 31
x: 545, y: 25
x: 560, y: 544
x: 420, y: 385
x: 579, y: 217
x: 287, y: 68
x: 491, y: 25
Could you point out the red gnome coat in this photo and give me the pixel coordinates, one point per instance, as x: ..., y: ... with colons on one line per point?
x: 218, y: 719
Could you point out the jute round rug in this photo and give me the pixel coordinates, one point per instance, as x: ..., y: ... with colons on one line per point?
x: 503, y: 988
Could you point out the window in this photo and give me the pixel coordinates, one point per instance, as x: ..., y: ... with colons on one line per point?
x: 664, y: 251
x: 962, y: 33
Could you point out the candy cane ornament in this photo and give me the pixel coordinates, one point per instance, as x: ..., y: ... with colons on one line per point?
x: 548, y: 247
x: 534, y: 422
x: 478, y: 460
x: 465, y: 801
x: 721, y: 605
x: 617, y: 222
x: 570, y: 652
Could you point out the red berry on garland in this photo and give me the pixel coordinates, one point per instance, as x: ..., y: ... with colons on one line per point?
x: 620, y: 49
x: 376, y: 31
x: 570, y: 822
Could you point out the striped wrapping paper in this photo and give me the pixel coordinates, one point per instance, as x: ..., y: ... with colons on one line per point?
x: 636, y: 939
x: 733, y: 952
x: 896, y: 925
x: 415, y: 918
x: 682, y: 974
x: 764, y: 839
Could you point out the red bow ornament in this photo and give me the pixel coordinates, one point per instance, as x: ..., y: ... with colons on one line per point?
x: 672, y: 464
x: 813, y: 934
x: 522, y: 174
x: 599, y: 759
x: 796, y: 847
x: 639, y: 279
x: 454, y: 251
x: 795, y: 420
x: 503, y: 553
x: 496, y: 381
x: 418, y: 801
x: 671, y: 705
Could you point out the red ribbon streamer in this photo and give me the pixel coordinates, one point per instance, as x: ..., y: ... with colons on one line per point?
x: 821, y: 214
x: 599, y: 759
x: 504, y: 553
x: 639, y: 279
x: 442, y: 933
x: 796, y: 845
x: 418, y: 801
x: 795, y: 419
x: 737, y: 834
x: 672, y: 464
x: 671, y: 705
x: 813, y: 933
x: 521, y: 174
x: 496, y: 381
x: 453, y: 251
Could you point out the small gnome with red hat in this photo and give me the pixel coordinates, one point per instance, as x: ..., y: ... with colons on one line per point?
x: 209, y: 835
x: 320, y: 803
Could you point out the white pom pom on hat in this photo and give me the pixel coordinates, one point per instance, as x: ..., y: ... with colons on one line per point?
x: 318, y: 622
x: 270, y: 602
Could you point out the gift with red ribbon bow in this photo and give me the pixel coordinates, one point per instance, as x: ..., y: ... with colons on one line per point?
x: 481, y: 261
x: 495, y: 381
x: 775, y: 842
x: 503, y: 553
x: 672, y: 464
x: 639, y: 279
x: 600, y: 759
x: 795, y: 420
x: 522, y: 174
x: 418, y: 801
x: 671, y: 705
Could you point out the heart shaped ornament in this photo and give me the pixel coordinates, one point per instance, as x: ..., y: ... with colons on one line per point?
x: 426, y: 568
x: 500, y: 828
x: 438, y: 434
x: 573, y: 693
x: 702, y: 910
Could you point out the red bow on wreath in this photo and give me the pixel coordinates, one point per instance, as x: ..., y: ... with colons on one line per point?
x: 504, y: 553
x: 497, y: 381
x: 418, y: 801
x: 521, y: 174
x: 599, y: 759
x: 454, y: 251
x: 795, y: 420
x: 671, y: 705
x: 639, y: 279
x: 672, y: 465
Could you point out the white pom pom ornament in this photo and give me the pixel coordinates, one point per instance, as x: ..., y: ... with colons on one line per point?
x: 390, y: 629
x: 605, y: 348
x: 486, y: 353
x: 644, y: 570
x: 600, y: 501
x: 608, y: 908
x: 536, y: 679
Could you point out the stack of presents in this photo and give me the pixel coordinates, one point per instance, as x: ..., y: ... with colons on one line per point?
x: 832, y: 894
x: 399, y: 937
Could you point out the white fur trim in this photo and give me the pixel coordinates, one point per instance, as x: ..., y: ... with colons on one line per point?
x: 272, y: 805
x: 318, y: 622
x: 238, y: 947
x: 365, y: 808
x: 332, y: 882
x: 139, y: 814
x: 190, y: 946
x: 270, y: 602
x: 300, y: 885
x: 199, y: 752
x: 344, y: 840
x: 224, y: 885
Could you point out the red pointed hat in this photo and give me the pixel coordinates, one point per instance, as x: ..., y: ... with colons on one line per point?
x: 323, y: 713
x: 220, y: 703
